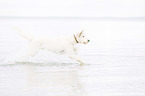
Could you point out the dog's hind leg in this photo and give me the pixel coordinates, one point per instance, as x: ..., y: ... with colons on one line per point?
x: 32, y: 51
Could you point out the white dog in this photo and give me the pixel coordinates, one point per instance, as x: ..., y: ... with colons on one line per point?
x: 59, y: 45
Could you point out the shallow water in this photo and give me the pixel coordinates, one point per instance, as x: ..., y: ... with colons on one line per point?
x: 115, y: 66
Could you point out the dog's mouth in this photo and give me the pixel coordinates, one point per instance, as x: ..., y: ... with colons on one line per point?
x: 85, y: 42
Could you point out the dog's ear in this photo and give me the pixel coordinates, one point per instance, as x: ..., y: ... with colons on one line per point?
x: 80, y: 33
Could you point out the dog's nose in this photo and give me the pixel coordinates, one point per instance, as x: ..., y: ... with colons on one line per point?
x: 88, y: 40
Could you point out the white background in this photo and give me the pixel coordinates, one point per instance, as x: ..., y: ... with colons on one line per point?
x: 73, y: 8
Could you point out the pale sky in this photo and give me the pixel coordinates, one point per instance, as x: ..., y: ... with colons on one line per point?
x: 73, y: 8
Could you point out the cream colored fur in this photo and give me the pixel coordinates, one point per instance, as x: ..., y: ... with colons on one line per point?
x: 59, y: 45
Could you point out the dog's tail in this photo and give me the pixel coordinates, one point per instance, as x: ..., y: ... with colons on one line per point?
x: 25, y: 35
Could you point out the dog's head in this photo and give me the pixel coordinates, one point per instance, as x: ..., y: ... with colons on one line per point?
x: 80, y: 37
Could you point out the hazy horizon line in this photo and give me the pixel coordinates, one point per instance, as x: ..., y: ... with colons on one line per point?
x: 75, y: 17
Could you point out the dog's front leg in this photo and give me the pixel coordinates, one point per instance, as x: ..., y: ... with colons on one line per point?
x: 75, y: 50
x: 72, y: 55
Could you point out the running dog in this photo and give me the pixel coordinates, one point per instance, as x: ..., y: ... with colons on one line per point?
x: 59, y: 45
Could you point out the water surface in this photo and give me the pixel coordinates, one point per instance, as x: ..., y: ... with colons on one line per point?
x: 115, y: 59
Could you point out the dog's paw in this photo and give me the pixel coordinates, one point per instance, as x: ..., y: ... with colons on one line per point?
x: 82, y: 62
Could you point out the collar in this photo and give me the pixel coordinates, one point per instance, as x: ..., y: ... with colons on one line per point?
x: 76, y: 39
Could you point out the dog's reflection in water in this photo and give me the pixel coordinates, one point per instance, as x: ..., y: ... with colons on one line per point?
x: 54, y: 80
